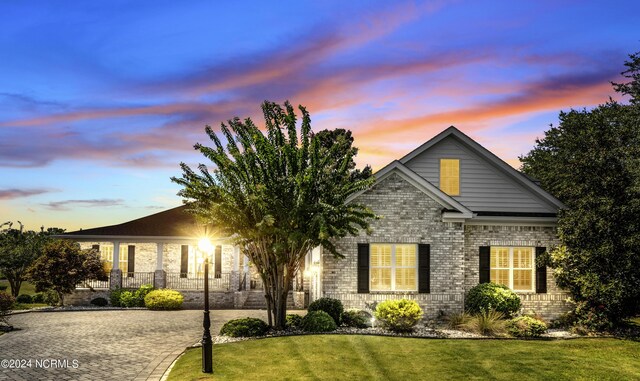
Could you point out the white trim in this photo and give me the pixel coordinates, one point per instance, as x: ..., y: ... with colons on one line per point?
x: 423, y: 185
x: 511, y: 221
x: 131, y: 238
x: 511, y: 267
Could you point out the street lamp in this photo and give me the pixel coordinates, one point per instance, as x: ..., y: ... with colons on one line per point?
x: 207, y: 353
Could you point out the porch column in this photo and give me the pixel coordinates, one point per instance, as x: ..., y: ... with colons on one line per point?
x: 116, y: 274
x: 159, y: 276
x: 247, y: 275
x: 234, y: 276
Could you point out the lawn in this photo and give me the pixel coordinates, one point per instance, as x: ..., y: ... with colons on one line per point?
x: 343, y: 357
x: 26, y: 288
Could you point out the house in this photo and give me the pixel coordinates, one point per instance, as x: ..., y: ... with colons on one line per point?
x: 452, y: 215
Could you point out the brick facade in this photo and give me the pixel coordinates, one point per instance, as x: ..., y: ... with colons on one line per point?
x: 410, y: 216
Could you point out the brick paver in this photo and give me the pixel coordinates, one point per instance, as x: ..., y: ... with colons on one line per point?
x: 107, y: 345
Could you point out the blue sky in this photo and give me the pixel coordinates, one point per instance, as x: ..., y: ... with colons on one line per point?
x: 100, y: 101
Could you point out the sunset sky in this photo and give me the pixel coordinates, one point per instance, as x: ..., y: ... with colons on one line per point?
x: 100, y: 101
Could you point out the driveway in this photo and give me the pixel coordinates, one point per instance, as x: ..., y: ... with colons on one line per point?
x: 103, y: 345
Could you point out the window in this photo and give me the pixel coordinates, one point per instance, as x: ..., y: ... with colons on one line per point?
x: 450, y: 176
x: 106, y: 253
x: 513, y: 267
x: 393, y: 267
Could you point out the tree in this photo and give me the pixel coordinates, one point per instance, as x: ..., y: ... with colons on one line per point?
x: 631, y: 88
x: 277, y: 195
x: 18, y: 250
x: 63, y: 265
x: 591, y: 162
x: 338, y: 143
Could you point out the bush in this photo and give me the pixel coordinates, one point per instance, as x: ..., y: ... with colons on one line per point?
x: 3, y: 287
x: 399, y: 315
x: 331, y: 306
x: 293, y: 321
x: 526, y: 326
x: 492, y: 296
x: 6, y: 304
x: 163, y: 300
x: 128, y: 299
x: 458, y: 320
x: 24, y: 299
x: 99, y: 302
x: 247, y: 327
x: 356, y: 318
x: 37, y: 298
x: 141, y: 293
x: 114, y: 297
x: 488, y: 323
x: 318, y: 321
x: 51, y: 298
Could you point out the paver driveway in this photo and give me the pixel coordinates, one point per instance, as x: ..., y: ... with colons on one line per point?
x: 107, y: 345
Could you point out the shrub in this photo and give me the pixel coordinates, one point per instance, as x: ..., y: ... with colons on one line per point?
x: 6, y: 304
x: 331, y: 306
x: 3, y: 287
x: 293, y: 321
x: 399, y: 315
x: 318, y: 321
x: 492, y: 296
x: 99, y: 302
x: 591, y: 318
x: 128, y: 299
x: 163, y: 300
x: 526, y: 326
x: 114, y: 297
x: 141, y: 293
x: 247, y: 327
x: 458, y: 320
x: 488, y: 323
x: 37, y: 297
x: 24, y: 299
x: 356, y: 318
x: 51, y: 298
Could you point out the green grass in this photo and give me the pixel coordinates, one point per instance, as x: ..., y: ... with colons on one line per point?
x: 342, y: 357
x: 21, y: 306
x: 26, y: 288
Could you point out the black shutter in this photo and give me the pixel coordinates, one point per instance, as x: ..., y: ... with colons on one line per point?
x: 131, y: 260
x: 541, y: 273
x: 96, y: 248
x: 363, y: 268
x: 184, y: 261
x: 218, y: 262
x: 424, y: 268
x: 485, y: 264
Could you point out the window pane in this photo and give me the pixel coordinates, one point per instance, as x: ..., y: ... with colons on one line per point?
x: 500, y: 277
x: 523, y: 280
x: 523, y: 257
x: 406, y: 255
x: 450, y: 176
x: 499, y: 257
x: 380, y: 255
x: 406, y: 279
x: 380, y: 279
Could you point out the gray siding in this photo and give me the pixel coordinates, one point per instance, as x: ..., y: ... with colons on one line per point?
x: 483, y: 187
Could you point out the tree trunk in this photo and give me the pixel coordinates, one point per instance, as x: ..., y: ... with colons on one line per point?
x: 61, y: 297
x: 15, y: 284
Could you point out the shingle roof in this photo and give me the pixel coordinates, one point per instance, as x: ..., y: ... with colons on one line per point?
x: 169, y: 223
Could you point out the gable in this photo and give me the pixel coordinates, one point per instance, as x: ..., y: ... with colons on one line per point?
x: 484, y: 186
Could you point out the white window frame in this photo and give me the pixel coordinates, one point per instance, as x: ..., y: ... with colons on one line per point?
x: 393, y: 267
x: 512, y: 267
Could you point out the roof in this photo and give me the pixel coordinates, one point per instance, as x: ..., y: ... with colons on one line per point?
x: 174, y: 222
x: 422, y: 184
x: 505, y: 168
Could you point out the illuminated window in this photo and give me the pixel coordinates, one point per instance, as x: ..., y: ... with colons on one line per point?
x: 450, y: 176
x: 393, y: 267
x: 106, y: 253
x: 513, y: 267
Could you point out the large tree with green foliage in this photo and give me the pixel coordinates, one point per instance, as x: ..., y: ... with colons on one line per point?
x: 63, y: 265
x: 591, y: 161
x: 277, y: 195
x: 18, y: 250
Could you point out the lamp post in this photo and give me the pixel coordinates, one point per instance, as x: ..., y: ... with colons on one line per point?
x: 207, y: 353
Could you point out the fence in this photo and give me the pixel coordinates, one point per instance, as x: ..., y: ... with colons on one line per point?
x: 182, y: 281
x: 135, y: 280
x: 96, y: 283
